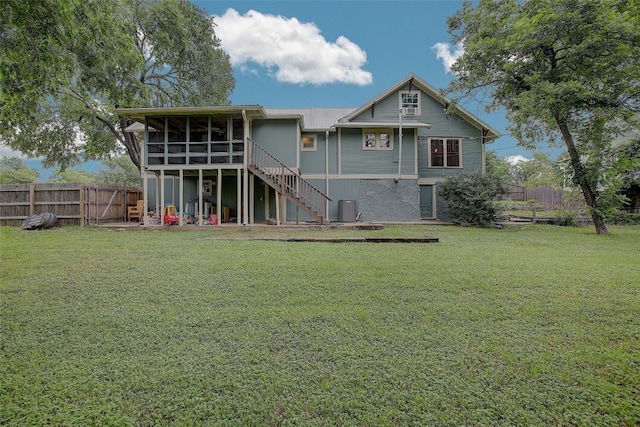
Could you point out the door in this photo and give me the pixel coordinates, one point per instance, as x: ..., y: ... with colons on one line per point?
x: 426, y: 202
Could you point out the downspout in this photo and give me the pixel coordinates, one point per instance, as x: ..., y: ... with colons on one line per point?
x: 245, y: 182
x: 326, y: 173
x: 484, y: 154
x: 400, y: 145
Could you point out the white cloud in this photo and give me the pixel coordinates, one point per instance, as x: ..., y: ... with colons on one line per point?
x: 293, y: 51
x: 448, y: 54
x: 6, y: 151
x: 515, y: 159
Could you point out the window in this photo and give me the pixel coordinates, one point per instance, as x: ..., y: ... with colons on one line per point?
x: 309, y: 143
x: 445, y: 152
x: 198, y: 129
x: 377, y: 139
x: 177, y: 129
x: 219, y: 129
x: 410, y: 103
x: 238, y: 129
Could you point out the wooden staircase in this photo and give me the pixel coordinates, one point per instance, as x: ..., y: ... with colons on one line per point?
x: 287, y: 182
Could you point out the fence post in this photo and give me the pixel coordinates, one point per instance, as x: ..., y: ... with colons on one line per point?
x: 32, y: 199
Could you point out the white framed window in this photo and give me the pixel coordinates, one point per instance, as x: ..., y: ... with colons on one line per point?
x: 445, y: 152
x: 410, y: 103
x: 377, y: 139
x: 309, y: 142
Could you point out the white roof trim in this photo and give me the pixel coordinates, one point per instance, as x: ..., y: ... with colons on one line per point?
x: 435, y: 94
x: 407, y: 125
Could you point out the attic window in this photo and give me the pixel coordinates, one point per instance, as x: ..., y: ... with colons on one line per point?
x: 410, y: 102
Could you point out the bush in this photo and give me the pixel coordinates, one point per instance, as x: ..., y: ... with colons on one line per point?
x: 472, y: 198
x: 624, y: 218
x: 566, y: 217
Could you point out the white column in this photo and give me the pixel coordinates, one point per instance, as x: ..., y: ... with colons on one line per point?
x: 145, y: 191
x: 199, y: 213
x: 181, y: 197
x: 161, y: 196
x: 241, y: 208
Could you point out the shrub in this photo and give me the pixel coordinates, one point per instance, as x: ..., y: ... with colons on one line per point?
x: 566, y: 217
x: 472, y: 198
x: 624, y: 218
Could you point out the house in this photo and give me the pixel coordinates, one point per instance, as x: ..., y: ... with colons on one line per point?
x: 380, y: 162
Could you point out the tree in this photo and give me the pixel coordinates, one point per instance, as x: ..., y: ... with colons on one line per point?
x: 540, y: 171
x: 564, y: 70
x: 72, y: 176
x: 119, y: 171
x: 472, y: 197
x: 14, y: 171
x: 67, y: 64
x: 627, y: 165
x: 498, y: 166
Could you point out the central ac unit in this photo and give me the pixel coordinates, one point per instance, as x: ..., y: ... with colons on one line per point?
x: 409, y: 111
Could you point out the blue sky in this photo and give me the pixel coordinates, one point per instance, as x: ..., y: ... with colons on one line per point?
x: 324, y: 53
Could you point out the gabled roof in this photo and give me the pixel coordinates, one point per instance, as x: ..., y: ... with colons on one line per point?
x: 418, y: 83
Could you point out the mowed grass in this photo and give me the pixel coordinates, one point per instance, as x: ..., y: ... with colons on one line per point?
x: 531, y: 325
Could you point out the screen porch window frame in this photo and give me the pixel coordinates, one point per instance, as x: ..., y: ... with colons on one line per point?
x: 309, y: 142
x: 445, y: 152
x: 377, y: 139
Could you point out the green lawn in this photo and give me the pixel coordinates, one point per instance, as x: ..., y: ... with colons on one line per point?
x: 530, y: 325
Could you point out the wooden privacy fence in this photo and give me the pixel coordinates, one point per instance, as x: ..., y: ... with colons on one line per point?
x: 73, y: 204
x: 550, y: 198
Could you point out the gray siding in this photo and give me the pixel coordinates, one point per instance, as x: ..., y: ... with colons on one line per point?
x: 278, y: 137
x: 356, y: 160
x: 313, y: 162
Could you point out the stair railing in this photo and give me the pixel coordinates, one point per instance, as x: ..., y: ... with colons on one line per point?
x: 287, y: 182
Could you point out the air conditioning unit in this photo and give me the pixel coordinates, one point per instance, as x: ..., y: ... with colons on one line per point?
x: 409, y: 111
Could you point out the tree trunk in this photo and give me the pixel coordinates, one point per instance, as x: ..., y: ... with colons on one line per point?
x: 131, y: 143
x: 581, y: 176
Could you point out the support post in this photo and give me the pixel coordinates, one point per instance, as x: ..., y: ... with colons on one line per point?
x: 181, y: 197
x: 161, y: 197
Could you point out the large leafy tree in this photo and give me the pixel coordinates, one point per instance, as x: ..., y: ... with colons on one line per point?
x: 67, y: 64
x: 14, y: 171
x: 566, y: 72
x: 120, y: 171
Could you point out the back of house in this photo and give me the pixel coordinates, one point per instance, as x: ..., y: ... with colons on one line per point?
x: 380, y: 162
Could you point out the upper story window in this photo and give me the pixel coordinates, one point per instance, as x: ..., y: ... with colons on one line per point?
x: 445, y: 152
x: 410, y: 103
x: 194, y: 140
x: 177, y: 129
x: 198, y: 129
x: 309, y: 142
x: 377, y: 139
